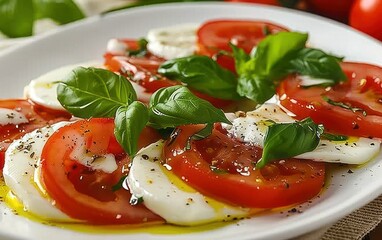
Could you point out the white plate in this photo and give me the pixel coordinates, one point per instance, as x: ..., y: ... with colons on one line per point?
x: 86, y: 40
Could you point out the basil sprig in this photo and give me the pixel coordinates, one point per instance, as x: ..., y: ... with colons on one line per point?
x: 203, y: 74
x: 277, y: 56
x: 284, y: 140
x: 91, y: 92
x: 17, y: 16
x: 175, y: 106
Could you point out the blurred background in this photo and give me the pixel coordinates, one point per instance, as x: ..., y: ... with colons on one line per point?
x: 24, y: 18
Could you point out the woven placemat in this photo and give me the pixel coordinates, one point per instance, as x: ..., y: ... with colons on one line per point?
x: 353, y: 227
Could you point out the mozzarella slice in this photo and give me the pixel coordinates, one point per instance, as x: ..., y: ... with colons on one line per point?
x: 166, y: 195
x: 43, y: 90
x: 21, y: 159
x: 251, y: 128
x: 173, y: 42
x: 9, y: 116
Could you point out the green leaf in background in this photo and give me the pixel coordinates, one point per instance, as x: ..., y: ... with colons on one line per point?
x: 61, y: 11
x: 93, y: 92
x: 176, y: 106
x: 129, y: 123
x: 202, y: 74
x: 285, y: 140
x: 317, y: 64
x: 16, y: 17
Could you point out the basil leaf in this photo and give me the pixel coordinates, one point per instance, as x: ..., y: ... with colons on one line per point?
x: 284, y: 140
x: 256, y: 88
x: 318, y: 64
x: 129, y: 123
x: 142, y: 49
x: 61, y: 11
x: 345, y: 106
x: 203, y: 74
x: 275, y: 49
x: 202, y: 134
x: 242, y: 60
x: 92, y: 92
x: 16, y: 17
x: 176, y: 106
x: 334, y: 137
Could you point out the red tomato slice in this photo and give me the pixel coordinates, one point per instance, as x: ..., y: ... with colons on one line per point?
x: 84, y: 193
x: 37, y: 116
x: 215, y: 36
x: 143, y: 70
x: 363, y: 90
x: 223, y: 168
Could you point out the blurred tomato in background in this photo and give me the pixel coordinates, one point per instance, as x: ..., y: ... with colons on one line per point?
x: 366, y: 16
x: 335, y: 9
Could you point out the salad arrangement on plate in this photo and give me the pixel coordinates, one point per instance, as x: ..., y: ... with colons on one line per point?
x: 162, y: 131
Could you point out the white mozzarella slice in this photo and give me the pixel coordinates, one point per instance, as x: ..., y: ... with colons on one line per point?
x: 105, y: 163
x: 43, y: 90
x: 352, y: 151
x: 21, y: 160
x: 9, y: 116
x: 173, y: 42
x: 166, y: 195
x: 251, y: 127
x: 116, y: 47
x: 307, y: 81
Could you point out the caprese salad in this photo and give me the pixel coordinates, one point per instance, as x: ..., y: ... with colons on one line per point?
x: 147, y: 137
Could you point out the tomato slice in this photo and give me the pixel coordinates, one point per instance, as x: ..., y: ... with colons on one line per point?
x: 362, y: 91
x: 144, y: 71
x: 37, y: 117
x: 140, y: 70
x: 223, y: 168
x: 85, y: 193
x: 214, y: 36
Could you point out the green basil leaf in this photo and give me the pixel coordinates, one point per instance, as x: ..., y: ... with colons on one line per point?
x: 176, y: 106
x: 345, y: 106
x: 92, y: 92
x: 256, y: 88
x: 142, y: 49
x: 61, y: 11
x: 275, y: 49
x: 318, y: 64
x: 285, y: 140
x: 129, y: 123
x: 16, y: 17
x: 334, y: 137
x: 203, y: 74
x: 242, y: 64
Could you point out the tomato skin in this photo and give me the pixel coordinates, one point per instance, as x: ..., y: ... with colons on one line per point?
x: 366, y: 16
x: 38, y: 117
x: 338, y: 10
x: 87, y: 194
x: 362, y: 90
x: 234, y: 179
x: 214, y: 36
